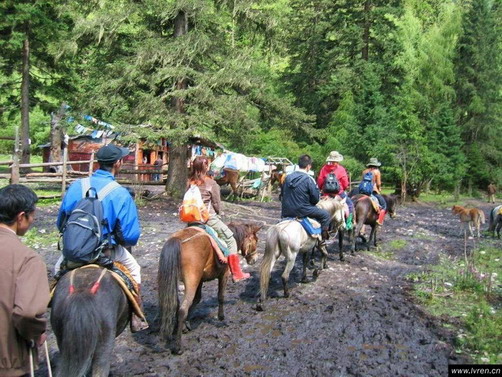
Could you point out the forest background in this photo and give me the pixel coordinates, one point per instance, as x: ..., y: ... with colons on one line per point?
x: 416, y: 83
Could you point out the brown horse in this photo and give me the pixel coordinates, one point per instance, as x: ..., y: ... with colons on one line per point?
x: 365, y: 214
x: 86, y: 317
x: 189, y: 256
x: 230, y: 177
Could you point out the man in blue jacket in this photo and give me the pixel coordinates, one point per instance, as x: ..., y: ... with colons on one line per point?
x: 300, y: 195
x: 119, y: 210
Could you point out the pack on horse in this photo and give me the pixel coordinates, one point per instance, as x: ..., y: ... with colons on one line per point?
x: 89, y: 309
x: 366, y: 214
x: 188, y: 255
x: 289, y: 238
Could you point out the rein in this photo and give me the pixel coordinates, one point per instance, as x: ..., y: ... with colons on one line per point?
x: 94, y: 287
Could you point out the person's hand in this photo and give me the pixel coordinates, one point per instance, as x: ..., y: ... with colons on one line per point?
x: 41, y: 340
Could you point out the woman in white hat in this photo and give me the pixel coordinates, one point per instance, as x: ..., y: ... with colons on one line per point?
x: 333, y: 166
x: 372, y: 167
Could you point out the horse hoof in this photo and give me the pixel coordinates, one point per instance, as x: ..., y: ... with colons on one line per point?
x: 259, y: 308
x: 305, y: 280
x: 221, y: 317
x: 316, y: 273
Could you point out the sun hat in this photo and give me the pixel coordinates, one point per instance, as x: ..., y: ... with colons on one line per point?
x: 373, y: 162
x: 111, y: 153
x: 334, y: 156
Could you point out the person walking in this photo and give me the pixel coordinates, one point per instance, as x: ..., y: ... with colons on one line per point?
x: 492, y: 190
x: 333, y: 166
x: 120, y: 213
x: 24, y: 287
x: 211, y: 196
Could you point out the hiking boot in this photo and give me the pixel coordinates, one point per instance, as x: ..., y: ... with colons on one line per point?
x: 381, y: 216
x: 235, y: 268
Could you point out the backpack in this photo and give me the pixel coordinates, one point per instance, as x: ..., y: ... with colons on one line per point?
x: 82, y: 231
x: 192, y: 208
x: 366, y: 185
x: 331, y: 184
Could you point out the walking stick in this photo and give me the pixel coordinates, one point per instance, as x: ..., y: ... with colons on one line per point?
x: 48, y: 359
x: 32, y: 369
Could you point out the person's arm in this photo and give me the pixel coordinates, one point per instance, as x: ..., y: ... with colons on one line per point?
x: 31, y: 299
x: 343, y: 179
x: 215, y: 196
x: 378, y: 180
x: 314, y: 192
x: 127, y: 228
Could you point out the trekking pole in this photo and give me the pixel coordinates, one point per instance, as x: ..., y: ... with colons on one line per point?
x: 48, y: 359
x: 32, y: 369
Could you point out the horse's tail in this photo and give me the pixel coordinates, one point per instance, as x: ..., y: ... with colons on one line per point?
x: 481, y: 216
x: 80, y: 323
x: 271, y: 246
x: 168, y: 276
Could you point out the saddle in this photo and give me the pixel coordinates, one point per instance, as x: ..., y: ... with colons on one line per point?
x: 311, y: 226
x: 374, y: 202
x: 219, y: 246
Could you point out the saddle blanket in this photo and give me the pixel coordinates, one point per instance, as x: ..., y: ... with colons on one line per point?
x: 219, y: 246
x: 311, y: 226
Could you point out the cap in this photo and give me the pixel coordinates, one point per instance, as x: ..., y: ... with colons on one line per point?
x: 111, y: 153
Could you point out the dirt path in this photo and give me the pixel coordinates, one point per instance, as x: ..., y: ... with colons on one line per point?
x: 356, y: 319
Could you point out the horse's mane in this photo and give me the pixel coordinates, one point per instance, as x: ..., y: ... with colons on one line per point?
x: 239, y: 231
x: 330, y: 204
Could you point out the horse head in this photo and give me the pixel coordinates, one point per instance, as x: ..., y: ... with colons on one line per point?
x: 391, y: 201
x: 247, y: 240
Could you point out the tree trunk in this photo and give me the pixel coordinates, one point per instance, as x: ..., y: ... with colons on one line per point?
x: 177, y: 172
x: 366, y: 30
x: 25, y: 104
x: 56, y: 136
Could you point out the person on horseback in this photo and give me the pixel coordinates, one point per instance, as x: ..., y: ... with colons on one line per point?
x: 333, y: 166
x: 372, y: 167
x: 120, y: 213
x: 211, y: 196
x: 23, y: 283
x: 300, y: 195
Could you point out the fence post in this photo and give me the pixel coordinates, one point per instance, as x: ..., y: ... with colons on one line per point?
x: 65, y: 159
x: 91, y: 164
x: 14, y: 169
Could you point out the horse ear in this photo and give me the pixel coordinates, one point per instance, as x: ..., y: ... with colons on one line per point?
x: 256, y: 228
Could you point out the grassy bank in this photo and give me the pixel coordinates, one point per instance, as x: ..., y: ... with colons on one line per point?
x: 467, y: 294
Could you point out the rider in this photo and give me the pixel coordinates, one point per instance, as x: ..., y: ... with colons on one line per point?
x: 210, y: 192
x: 333, y: 166
x: 372, y: 167
x: 300, y: 195
x: 119, y: 210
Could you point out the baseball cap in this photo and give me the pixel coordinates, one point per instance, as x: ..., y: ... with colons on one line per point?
x: 111, y: 153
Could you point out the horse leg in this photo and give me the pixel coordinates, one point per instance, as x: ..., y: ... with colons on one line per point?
x: 104, y: 351
x: 305, y: 263
x: 324, y: 254
x: 371, y: 238
x: 287, y: 270
x: 222, y: 286
x: 196, y: 300
x: 182, y: 316
x: 340, y: 244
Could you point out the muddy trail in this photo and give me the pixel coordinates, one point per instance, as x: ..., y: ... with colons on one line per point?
x: 357, y: 319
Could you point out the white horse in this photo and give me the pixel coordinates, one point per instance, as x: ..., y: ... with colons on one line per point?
x: 289, y: 238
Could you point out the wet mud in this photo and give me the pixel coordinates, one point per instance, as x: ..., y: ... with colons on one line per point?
x: 357, y: 318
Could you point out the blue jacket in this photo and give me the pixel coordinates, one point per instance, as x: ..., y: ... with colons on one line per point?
x: 119, y: 209
x: 299, y: 194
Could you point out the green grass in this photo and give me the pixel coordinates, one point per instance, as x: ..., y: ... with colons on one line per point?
x: 468, y: 293
x: 41, y: 238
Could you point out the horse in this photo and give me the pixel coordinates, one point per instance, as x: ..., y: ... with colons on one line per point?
x: 471, y: 217
x: 89, y: 309
x: 188, y: 255
x: 365, y: 214
x: 231, y: 177
x: 290, y: 238
x: 495, y: 221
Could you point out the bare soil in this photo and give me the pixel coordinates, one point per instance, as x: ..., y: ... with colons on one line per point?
x: 357, y: 319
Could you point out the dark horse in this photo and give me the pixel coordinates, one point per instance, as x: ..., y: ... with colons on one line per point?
x: 495, y: 221
x: 189, y: 256
x: 365, y: 214
x: 88, y: 311
x: 230, y: 177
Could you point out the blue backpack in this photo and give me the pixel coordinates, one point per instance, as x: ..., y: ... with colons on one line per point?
x: 82, y: 231
x: 366, y: 185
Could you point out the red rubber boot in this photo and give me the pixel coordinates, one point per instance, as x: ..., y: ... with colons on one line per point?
x: 235, y: 268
